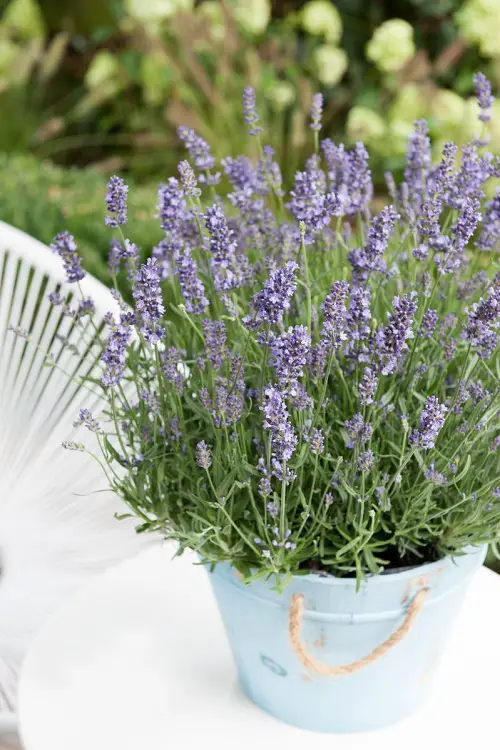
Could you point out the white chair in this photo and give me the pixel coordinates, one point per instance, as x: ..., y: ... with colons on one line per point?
x: 57, y: 526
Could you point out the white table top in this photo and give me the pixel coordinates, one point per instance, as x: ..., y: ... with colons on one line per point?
x: 139, y: 659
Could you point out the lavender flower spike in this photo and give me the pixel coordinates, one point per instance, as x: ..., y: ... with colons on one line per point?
x: 367, y: 387
x: 357, y: 430
x: 418, y: 163
x: 371, y: 257
x: 431, y: 423
x: 86, y: 419
x: 192, y: 287
x: 116, y: 201
x: 250, y: 111
x: 188, y: 180
x: 334, y: 314
x: 199, y: 150
x: 228, y: 268
x: 65, y: 246
x: 391, y: 339
x: 483, y: 319
x: 171, y: 205
x: 214, y: 332
x: 148, y: 301
x: 273, y: 301
x: 484, y: 98
x: 283, y: 438
x: 316, y: 112
x: 203, y: 455
x: 115, y: 353
x: 289, y: 356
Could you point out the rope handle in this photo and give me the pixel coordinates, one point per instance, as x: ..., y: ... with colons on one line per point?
x: 295, y: 617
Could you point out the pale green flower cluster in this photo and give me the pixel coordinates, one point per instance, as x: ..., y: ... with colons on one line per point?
x: 391, y: 46
x: 479, y: 22
x: 320, y: 18
x: 152, y: 13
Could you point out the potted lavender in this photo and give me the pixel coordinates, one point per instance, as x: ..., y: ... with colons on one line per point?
x: 306, y: 393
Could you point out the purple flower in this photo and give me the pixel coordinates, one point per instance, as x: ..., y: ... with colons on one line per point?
x: 357, y: 430
x: 309, y: 200
x: 229, y: 269
x: 282, y: 476
x: 151, y: 401
x: 391, y: 339
x: 214, y: 332
x: 175, y: 429
x: 490, y: 234
x: 119, y: 252
x: 188, y: 180
x: 349, y: 176
x: 302, y: 400
x: 115, y: 352
x: 116, y: 202
x: 250, y: 111
x: 171, y: 205
x: 192, y: 287
x: 317, y: 360
x: 466, y: 223
x: 366, y: 459
x: 431, y: 422
x: 199, y: 150
x: 468, y: 183
x: 358, y: 319
x: 371, y: 257
x: 265, y: 487
x: 171, y: 365
x: 203, y: 455
x: 64, y: 246
x: 483, y: 317
x: 86, y: 419
x: 367, y: 387
x: 478, y: 392
x: 434, y: 476
x: 148, y: 301
x: 240, y: 173
x: 360, y: 186
x: 417, y: 164
x: 428, y: 226
x: 289, y: 356
x: 429, y: 322
x: 273, y: 301
x: 334, y: 314
x: 484, y: 98
x: 115, y: 256
x: 441, y: 178
x: 316, y: 112
x: 316, y: 441
x: 276, y: 420
x: 269, y: 173
x: 495, y: 444
x: 229, y: 396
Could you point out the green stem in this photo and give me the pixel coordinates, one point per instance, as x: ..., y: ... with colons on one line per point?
x: 303, y: 250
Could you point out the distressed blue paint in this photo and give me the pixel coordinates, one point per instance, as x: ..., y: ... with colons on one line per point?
x: 350, y: 625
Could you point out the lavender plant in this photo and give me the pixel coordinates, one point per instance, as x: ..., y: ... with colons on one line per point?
x: 301, y: 384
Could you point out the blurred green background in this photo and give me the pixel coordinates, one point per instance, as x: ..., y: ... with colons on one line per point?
x: 92, y: 87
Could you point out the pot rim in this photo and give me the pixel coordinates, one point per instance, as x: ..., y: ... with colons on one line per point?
x: 401, y: 575
x: 388, y: 578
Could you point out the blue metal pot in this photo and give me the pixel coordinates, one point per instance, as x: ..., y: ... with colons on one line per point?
x: 388, y: 636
